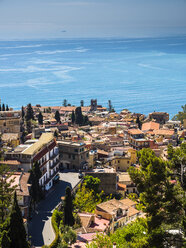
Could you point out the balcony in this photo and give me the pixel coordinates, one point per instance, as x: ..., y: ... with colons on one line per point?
x: 52, y: 176
x: 53, y: 156
x: 54, y: 164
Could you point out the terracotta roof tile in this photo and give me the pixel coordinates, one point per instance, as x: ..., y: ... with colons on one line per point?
x: 150, y: 126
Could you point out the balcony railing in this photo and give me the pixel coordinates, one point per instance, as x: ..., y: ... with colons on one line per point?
x: 54, y: 164
x: 51, y: 176
x: 53, y: 156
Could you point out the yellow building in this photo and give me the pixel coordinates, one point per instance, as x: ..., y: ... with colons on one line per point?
x: 123, y: 162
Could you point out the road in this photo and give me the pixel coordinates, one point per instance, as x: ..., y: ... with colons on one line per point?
x: 40, y: 227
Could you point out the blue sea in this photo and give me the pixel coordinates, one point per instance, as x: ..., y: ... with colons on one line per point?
x: 142, y: 75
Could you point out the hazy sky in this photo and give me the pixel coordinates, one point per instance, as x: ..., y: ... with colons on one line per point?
x: 91, y: 18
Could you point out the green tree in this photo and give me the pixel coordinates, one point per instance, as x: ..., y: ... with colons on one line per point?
x: 81, y: 103
x: 3, y: 107
x: 73, y: 117
x: 40, y: 118
x: 57, y: 116
x: 79, y: 116
x: 138, y: 121
x: 17, y: 232
x: 134, y: 235
x: 22, y: 112
x: 4, y: 240
x: 7, y: 108
x: 6, y: 190
x: 65, y: 102
x: 101, y: 241
x: 68, y: 208
x: 92, y: 183
x: 86, y: 199
x: 161, y: 199
x: 29, y: 113
x: 29, y: 126
x: 181, y: 115
x: 0, y: 108
x: 86, y: 120
x: 36, y: 190
x: 68, y: 235
x: 177, y: 158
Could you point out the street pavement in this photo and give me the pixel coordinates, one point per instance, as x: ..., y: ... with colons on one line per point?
x: 40, y: 227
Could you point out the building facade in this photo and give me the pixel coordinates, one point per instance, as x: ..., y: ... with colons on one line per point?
x: 73, y: 155
x: 10, y: 121
x: 45, y: 152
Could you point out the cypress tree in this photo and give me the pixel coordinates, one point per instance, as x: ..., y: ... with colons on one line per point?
x: 65, y: 102
x: 78, y: 116
x: 138, y: 122
x: 3, y: 107
x: 36, y: 190
x: 29, y: 126
x: 22, y: 112
x: 86, y: 120
x: 82, y: 103
x: 68, y: 208
x: 7, y: 108
x: 0, y: 107
x: 57, y: 116
x: 73, y: 116
x: 29, y: 112
x: 17, y: 232
x: 40, y: 118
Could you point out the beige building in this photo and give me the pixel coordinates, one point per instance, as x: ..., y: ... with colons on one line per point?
x: 10, y: 121
x: 121, y: 161
x: 73, y: 155
x: 119, y: 212
x: 22, y: 186
x: 45, y: 152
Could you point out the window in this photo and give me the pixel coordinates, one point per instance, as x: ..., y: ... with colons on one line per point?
x: 73, y: 157
x: 69, y: 155
x: 75, y: 150
x: 127, y: 162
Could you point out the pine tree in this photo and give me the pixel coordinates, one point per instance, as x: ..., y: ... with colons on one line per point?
x: 22, y: 112
x: 29, y: 113
x: 79, y: 116
x: 73, y: 116
x: 17, y: 232
x: 6, y: 191
x: 3, y: 107
x: 40, y: 118
x: 161, y: 199
x: 7, y: 108
x: 81, y: 103
x: 68, y: 208
x: 57, y: 116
